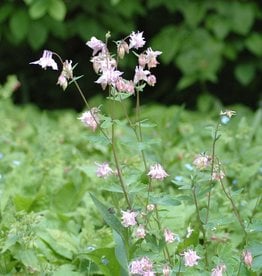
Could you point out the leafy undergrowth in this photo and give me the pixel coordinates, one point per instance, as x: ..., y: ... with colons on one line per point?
x: 49, y: 223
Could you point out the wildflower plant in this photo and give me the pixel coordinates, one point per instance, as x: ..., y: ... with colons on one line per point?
x: 138, y: 208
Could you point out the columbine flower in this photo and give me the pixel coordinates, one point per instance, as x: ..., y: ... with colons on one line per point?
x: 128, y: 218
x: 166, y: 270
x: 140, y: 231
x: 189, y: 231
x: 218, y: 270
x: 247, y: 257
x: 190, y: 257
x: 122, y: 48
x: 109, y: 77
x: 46, y: 60
x: 140, y: 74
x: 136, y: 40
x: 62, y: 81
x: 151, y: 80
x: 217, y: 174
x: 103, y: 170
x: 90, y: 118
x: 169, y: 236
x: 66, y: 74
x: 228, y: 113
x: 202, y: 161
x: 157, y: 172
x: 151, y: 58
x: 150, y: 207
x: 96, y: 44
x: 141, y: 266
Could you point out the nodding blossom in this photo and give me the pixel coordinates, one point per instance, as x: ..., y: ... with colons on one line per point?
x: 136, y: 40
x: 218, y: 270
x: 247, y: 257
x: 90, y: 118
x: 157, y: 172
x: 103, y: 170
x: 46, y: 60
x: 217, y: 174
x: 66, y: 74
x: 141, y: 266
x: 190, y: 258
x: 169, y: 236
x: 189, y: 231
x: 140, y: 74
x: 150, y: 57
x: 202, y: 161
x: 140, y: 232
x: 166, y: 270
x: 128, y: 218
x: 96, y: 44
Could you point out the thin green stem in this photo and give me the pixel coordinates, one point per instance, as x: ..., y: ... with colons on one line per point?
x: 119, y: 172
x: 200, y: 222
x: 212, y: 169
x: 234, y: 207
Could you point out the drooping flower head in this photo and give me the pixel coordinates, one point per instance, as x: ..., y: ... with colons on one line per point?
x: 140, y: 232
x: 103, y: 170
x: 190, y: 258
x: 166, y: 270
x: 140, y: 74
x: 128, y: 218
x: 136, y: 40
x: 141, y: 266
x: 46, y: 60
x: 157, y: 172
x: 169, y: 236
x: 151, y: 58
x: 218, y: 270
x: 202, y: 161
x: 96, y: 44
x: 90, y: 118
x: 247, y: 257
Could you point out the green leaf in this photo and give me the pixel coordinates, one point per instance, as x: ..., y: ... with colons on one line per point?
x: 105, y: 259
x: 109, y: 218
x: 19, y: 24
x: 164, y: 200
x: 57, y: 9
x: 5, y: 11
x: 28, y: 258
x: 254, y: 43
x: 38, y: 9
x: 245, y: 73
x: 121, y: 252
x: 37, y: 34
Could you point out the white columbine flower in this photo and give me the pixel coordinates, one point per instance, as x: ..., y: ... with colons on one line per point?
x: 46, y: 60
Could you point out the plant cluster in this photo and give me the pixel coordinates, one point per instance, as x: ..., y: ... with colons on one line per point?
x: 159, y: 222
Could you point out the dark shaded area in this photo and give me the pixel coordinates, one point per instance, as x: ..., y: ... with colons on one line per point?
x: 38, y: 86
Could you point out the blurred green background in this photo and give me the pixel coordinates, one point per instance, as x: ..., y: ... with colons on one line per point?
x: 212, y: 47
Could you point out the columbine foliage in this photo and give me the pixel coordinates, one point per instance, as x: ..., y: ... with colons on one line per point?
x: 169, y: 207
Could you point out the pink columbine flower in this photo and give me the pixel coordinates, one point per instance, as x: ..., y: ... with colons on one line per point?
x: 103, y: 170
x: 96, y: 44
x: 169, y: 236
x: 128, y: 218
x: 150, y: 207
x: 151, y: 80
x: 190, y: 257
x: 46, y: 60
x: 140, y: 74
x: 157, y: 172
x: 151, y: 57
x: 141, y: 266
x: 140, y: 232
x: 62, y: 81
x: 136, y: 40
x: 218, y: 270
x: 247, y: 257
x: 90, y: 118
x: 109, y: 77
x: 217, y: 174
x: 202, y: 161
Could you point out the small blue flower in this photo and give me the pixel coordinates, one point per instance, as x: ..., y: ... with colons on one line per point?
x: 234, y: 182
x: 16, y: 162
x: 224, y: 120
x: 91, y: 248
x: 179, y: 178
x: 104, y: 260
x: 1, y: 155
x: 189, y: 167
